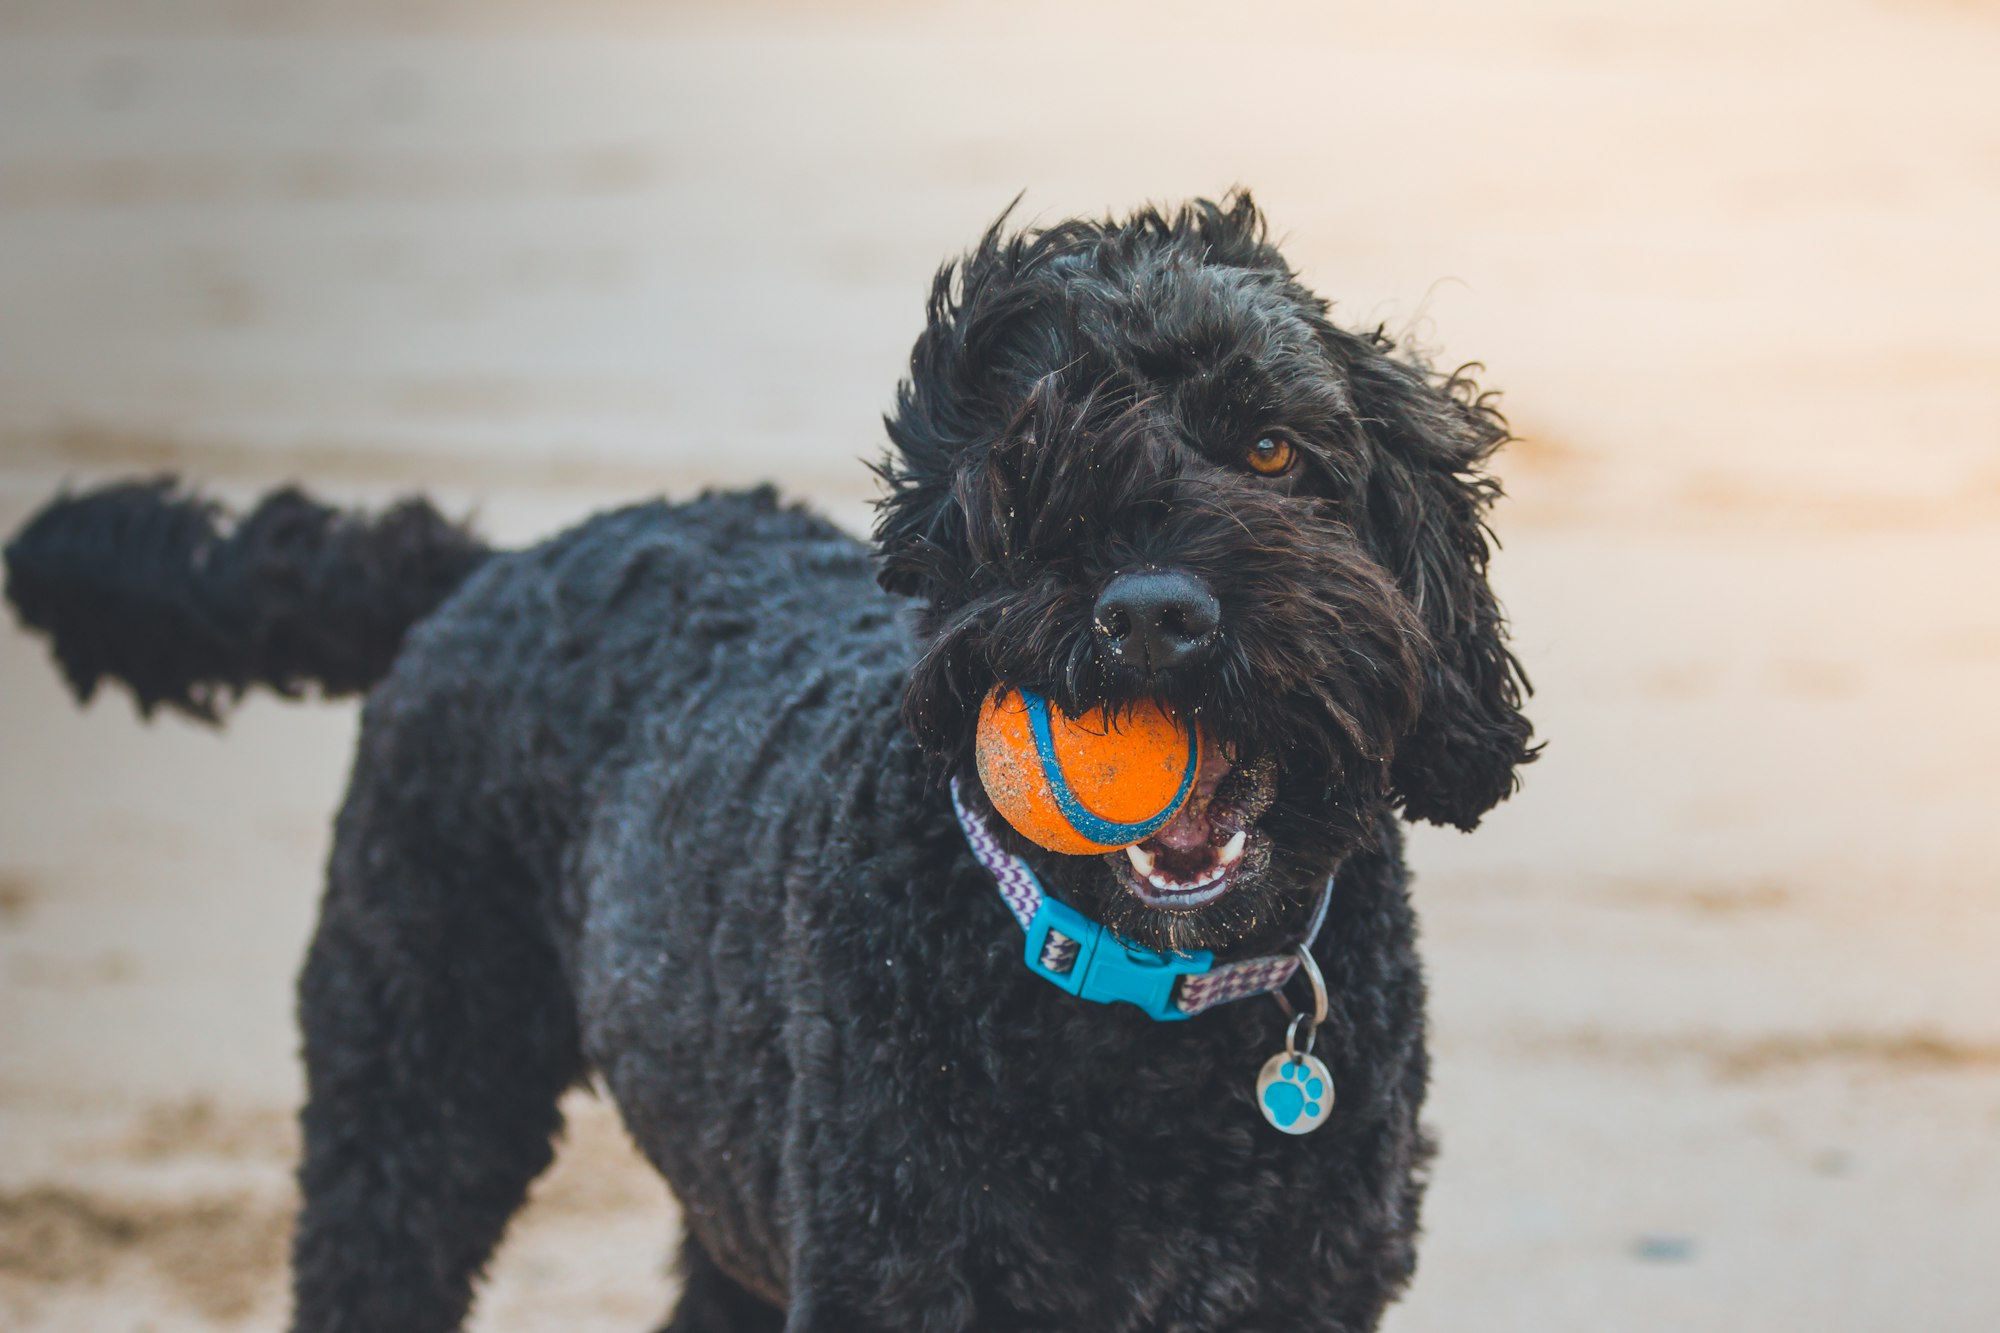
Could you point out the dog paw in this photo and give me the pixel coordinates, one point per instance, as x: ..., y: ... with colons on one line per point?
x: 1296, y: 1093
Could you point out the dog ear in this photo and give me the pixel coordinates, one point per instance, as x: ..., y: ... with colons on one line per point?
x: 1426, y: 503
x: 943, y: 406
x: 918, y: 526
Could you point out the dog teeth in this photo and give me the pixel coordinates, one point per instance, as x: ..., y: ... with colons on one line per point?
x: 1145, y: 865
x: 1165, y: 885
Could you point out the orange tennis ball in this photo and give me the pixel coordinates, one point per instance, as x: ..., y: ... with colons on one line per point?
x: 1079, y: 785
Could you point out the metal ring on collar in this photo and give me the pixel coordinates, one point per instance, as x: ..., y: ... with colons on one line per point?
x: 1292, y: 1051
x: 1311, y: 969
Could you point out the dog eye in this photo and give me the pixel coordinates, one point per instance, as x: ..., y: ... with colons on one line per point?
x: 1271, y: 456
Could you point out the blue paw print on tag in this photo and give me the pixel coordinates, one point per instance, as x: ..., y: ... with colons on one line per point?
x: 1297, y: 1094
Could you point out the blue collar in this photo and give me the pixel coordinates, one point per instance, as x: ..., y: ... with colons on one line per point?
x: 1083, y: 957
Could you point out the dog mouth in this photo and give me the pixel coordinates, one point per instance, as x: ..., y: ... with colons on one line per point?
x: 1211, y: 844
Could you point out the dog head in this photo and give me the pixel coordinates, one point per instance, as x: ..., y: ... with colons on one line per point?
x: 1135, y: 460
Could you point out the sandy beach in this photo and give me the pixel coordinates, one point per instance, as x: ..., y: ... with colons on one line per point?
x: 1716, y: 1008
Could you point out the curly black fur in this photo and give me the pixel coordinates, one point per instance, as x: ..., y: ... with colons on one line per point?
x: 141, y: 583
x: 660, y: 801
x: 1079, y: 404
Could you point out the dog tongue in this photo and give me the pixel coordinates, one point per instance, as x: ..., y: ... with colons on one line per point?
x: 1189, y: 829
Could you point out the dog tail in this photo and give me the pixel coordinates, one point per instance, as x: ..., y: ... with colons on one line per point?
x: 152, y: 585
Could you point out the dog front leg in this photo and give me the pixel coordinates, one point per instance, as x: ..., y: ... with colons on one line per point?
x: 438, y: 1037
x: 852, y: 1268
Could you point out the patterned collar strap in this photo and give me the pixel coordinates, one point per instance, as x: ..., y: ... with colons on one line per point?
x: 1084, y: 958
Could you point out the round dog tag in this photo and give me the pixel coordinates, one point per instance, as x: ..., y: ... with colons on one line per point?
x: 1295, y: 1092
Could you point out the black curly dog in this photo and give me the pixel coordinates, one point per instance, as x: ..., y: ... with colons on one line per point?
x: 663, y: 803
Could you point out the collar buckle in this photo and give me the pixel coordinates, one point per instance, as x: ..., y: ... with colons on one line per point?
x: 1082, y: 957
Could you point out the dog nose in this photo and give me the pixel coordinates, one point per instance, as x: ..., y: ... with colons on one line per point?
x: 1155, y: 619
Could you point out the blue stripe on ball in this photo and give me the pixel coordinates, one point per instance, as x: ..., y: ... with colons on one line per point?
x: 1091, y: 826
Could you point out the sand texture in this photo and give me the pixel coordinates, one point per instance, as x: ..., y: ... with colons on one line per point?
x: 1717, y: 1013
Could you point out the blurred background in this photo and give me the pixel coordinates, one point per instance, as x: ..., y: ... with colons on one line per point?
x: 1717, y: 1009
